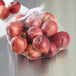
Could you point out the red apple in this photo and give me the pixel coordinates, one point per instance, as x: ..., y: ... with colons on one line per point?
x: 46, y: 16
x: 61, y: 39
x: 2, y: 2
x: 42, y: 43
x: 32, y: 21
x: 31, y: 53
x: 18, y: 44
x: 14, y: 7
x: 52, y: 50
x: 49, y: 28
x: 4, y: 12
x: 18, y: 16
x: 34, y: 31
x: 14, y: 28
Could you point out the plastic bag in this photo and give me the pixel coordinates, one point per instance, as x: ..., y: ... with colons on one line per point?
x: 30, y: 52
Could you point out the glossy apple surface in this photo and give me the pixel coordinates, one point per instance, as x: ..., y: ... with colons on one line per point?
x: 47, y: 16
x: 49, y: 28
x: 32, y: 21
x: 4, y: 12
x: 14, y: 7
x: 61, y: 39
x: 18, y: 44
x: 32, y: 53
x: 34, y: 31
x: 42, y: 43
x: 52, y: 50
x: 2, y: 2
x: 14, y: 28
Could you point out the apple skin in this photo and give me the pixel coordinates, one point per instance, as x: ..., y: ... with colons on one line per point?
x: 49, y: 28
x: 31, y: 53
x: 18, y: 44
x: 61, y: 39
x: 14, y: 7
x: 4, y: 12
x: 34, y: 31
x: 14, y: 28
x: 47, y: 16
x: 42, y: 43
x: 52, y: 50
x: 18, y: 16
x: 2, y: 2
x: 32, y: 21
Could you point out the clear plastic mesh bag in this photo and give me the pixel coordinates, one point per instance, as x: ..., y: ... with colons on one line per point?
x: 34, y: 13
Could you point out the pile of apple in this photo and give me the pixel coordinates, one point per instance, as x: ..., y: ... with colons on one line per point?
x: 13, y: 7
x: 36, y: 35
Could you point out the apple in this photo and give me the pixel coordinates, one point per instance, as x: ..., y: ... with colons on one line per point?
x: 61, y: 39
x: 32, y: 21
x: 41, y: 43
x: 4, y: 12
x: 2, y: 2
x: 18, y: 44
x: 34, y: 31
x: 47, y: 16
x: 49, y: 28
x: 31, y: 53
x: 14, y: 7
x: 14, y: 28
x: 18, y: 16
x: 52, y: 50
